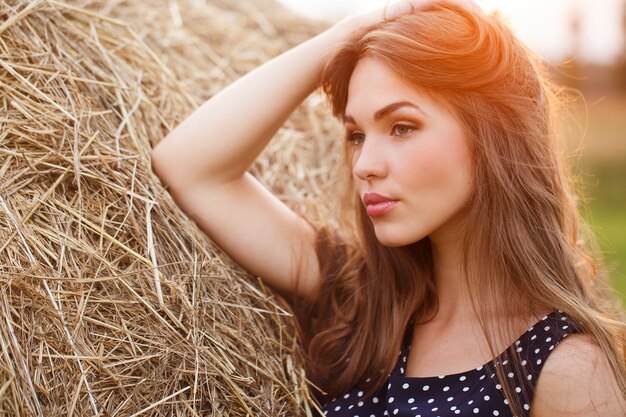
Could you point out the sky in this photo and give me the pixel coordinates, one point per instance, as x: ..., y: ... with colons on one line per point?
x: 545, y: 25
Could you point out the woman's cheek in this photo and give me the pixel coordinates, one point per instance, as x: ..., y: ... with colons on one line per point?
x: 429, y: 164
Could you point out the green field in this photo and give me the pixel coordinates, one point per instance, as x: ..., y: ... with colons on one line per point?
x: 606, y: 213
x: 596, y: 138
x: 609, y: 224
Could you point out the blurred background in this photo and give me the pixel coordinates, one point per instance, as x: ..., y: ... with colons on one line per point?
x: 586, y: 42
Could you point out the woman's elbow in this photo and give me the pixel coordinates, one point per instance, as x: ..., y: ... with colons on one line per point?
x: 161, y: 162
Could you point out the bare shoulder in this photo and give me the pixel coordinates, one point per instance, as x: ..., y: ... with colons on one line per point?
x: 577, y: 381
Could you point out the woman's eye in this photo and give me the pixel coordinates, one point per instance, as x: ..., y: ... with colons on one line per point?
x: 355, y: 138
x: 402, y: 129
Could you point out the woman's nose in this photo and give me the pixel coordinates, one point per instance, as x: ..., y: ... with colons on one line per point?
x: 370, y: 161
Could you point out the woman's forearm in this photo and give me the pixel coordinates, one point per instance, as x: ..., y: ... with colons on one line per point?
x: 222, y: 138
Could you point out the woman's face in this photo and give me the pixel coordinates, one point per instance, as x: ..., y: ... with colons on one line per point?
x: 409, y: 149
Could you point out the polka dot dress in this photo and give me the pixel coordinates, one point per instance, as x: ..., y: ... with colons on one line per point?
x: 476, y: 392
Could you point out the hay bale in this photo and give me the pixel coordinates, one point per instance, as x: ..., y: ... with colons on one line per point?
x: 112, y: 301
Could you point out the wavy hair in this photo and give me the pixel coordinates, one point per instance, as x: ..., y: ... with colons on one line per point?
x: 523, y: 223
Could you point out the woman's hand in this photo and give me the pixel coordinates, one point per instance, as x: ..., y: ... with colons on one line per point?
x: 398, y: 8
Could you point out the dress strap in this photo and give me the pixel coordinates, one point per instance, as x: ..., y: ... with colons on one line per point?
x: 532, y: 350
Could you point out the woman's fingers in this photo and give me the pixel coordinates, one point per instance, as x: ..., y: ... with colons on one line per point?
x: 400, y: 7
x: 397, y: 8
x: 468, y: 4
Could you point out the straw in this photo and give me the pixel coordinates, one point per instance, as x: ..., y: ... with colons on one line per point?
x: 114, y: 303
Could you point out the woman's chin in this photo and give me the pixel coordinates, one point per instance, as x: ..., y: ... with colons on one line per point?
x: 394, y: 241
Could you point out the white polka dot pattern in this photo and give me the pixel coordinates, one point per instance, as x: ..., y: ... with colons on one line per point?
x: 471, y: 393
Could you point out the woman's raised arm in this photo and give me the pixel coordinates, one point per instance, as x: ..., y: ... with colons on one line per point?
x: 204, y: 162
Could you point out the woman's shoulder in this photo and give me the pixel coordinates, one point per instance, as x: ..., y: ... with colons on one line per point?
x: 577, y: 381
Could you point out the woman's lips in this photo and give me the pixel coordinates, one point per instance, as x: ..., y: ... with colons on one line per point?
x: 380, y: 208
x: 377, y: 204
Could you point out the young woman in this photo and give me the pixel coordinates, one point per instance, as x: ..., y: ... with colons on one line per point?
x: 462, y: 287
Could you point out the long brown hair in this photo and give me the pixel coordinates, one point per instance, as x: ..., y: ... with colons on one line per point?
x: 523, y: 223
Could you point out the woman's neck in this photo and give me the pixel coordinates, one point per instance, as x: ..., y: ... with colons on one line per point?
x: 449, y: 276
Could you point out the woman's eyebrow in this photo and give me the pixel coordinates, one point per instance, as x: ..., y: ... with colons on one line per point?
x: 386, y: 110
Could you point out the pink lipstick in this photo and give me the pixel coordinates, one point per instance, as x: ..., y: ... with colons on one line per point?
x: 377, y: 204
